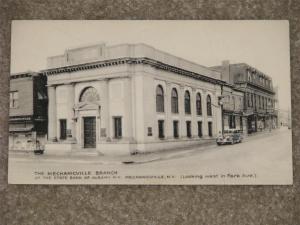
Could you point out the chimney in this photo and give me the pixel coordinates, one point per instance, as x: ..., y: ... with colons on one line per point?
x: 225, y: 72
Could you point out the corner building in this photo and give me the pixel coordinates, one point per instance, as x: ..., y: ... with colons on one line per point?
x: 129, y: 98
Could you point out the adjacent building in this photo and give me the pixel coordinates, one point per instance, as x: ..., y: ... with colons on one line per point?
x: 28, y: 111
x: 259, y: 95
x: 232, y: 109
x: 129, y: 98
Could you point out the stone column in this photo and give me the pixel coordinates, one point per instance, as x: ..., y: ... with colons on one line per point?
x: 52, y: 121
x: 182, y: 127
x: 105, y: 118
x: 168, y: 111
x: 193, y: 113
x: 127, y: 123
x: 204, y: 113
x: 71, y: 124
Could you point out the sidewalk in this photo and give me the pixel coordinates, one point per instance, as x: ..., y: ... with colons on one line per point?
x: 131, y: 159
x: 104, y: 159
x: 264, y: 133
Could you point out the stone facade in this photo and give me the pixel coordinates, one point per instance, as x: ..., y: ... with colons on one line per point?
x: 104, y: 99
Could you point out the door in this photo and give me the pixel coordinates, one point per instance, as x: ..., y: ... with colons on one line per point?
x: 188, y: 129
x: 89, y: 132
x: 199, y: 129
x: 63, y: 129
x: 210, y: 129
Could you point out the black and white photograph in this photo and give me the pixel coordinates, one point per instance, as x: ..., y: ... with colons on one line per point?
x: 150, y: 102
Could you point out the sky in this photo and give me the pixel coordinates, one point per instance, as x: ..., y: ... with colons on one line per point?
x: 262, y: 44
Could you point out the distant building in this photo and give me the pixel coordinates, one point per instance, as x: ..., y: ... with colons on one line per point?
x: 259, y: 96
x: 284, y: 118
x: 28, y: 111
x: 129, y: 98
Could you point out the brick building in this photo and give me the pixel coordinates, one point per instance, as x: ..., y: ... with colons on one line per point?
x: 28, y: 111
x: 259, y: 95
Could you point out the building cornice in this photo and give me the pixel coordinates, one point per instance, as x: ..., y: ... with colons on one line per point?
x: 23, y: 75
x: 260, y: 87
x: 131, y: 61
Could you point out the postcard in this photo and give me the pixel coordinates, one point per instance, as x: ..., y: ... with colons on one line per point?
x: 150, y: 102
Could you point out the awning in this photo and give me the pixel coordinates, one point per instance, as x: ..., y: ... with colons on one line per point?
x: 20, y: 128
x: 19, y: 118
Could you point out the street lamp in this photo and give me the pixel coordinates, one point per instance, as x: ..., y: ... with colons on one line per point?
x: 220, y: 103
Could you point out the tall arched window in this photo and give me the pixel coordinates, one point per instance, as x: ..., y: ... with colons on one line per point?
x: 159, y: 99
x: 198, y: 104
x: 174, y: 101
x: 187, y: 102
x: 89, y: 94
x: 208, y: 105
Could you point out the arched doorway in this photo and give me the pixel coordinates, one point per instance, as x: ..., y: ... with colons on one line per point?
x: 89, y: 109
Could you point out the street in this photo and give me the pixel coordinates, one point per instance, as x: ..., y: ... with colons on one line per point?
x: 265, y: 158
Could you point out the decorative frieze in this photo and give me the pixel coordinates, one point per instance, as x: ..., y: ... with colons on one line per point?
x: 133, y: 61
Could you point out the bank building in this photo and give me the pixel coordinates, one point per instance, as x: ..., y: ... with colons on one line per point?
x: 129, y: 98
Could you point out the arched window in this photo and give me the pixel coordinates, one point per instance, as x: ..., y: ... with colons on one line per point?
x: 198, y: 104
x: 187, y: 102
x: 89, y: 94
x: 174, y: 101
x: 159, y: 99
x: 208, y: 105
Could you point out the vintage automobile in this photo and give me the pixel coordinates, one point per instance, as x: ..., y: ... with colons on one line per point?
x: 229, y: 137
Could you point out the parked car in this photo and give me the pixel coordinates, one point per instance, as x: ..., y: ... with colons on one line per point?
x: 229, y: 137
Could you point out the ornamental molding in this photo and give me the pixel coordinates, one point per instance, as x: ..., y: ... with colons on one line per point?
x: 131, y: 61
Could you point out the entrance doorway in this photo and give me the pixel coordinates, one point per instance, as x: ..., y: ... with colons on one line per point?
x: 89, y: 132
x: 63, y: 129
x: 210, y: 133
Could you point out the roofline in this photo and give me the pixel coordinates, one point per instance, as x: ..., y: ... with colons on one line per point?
x: 241, y: 64
x: 24, y: 75
x: 131, y: 44
x: 129, y: 60
x: 252, y: 67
